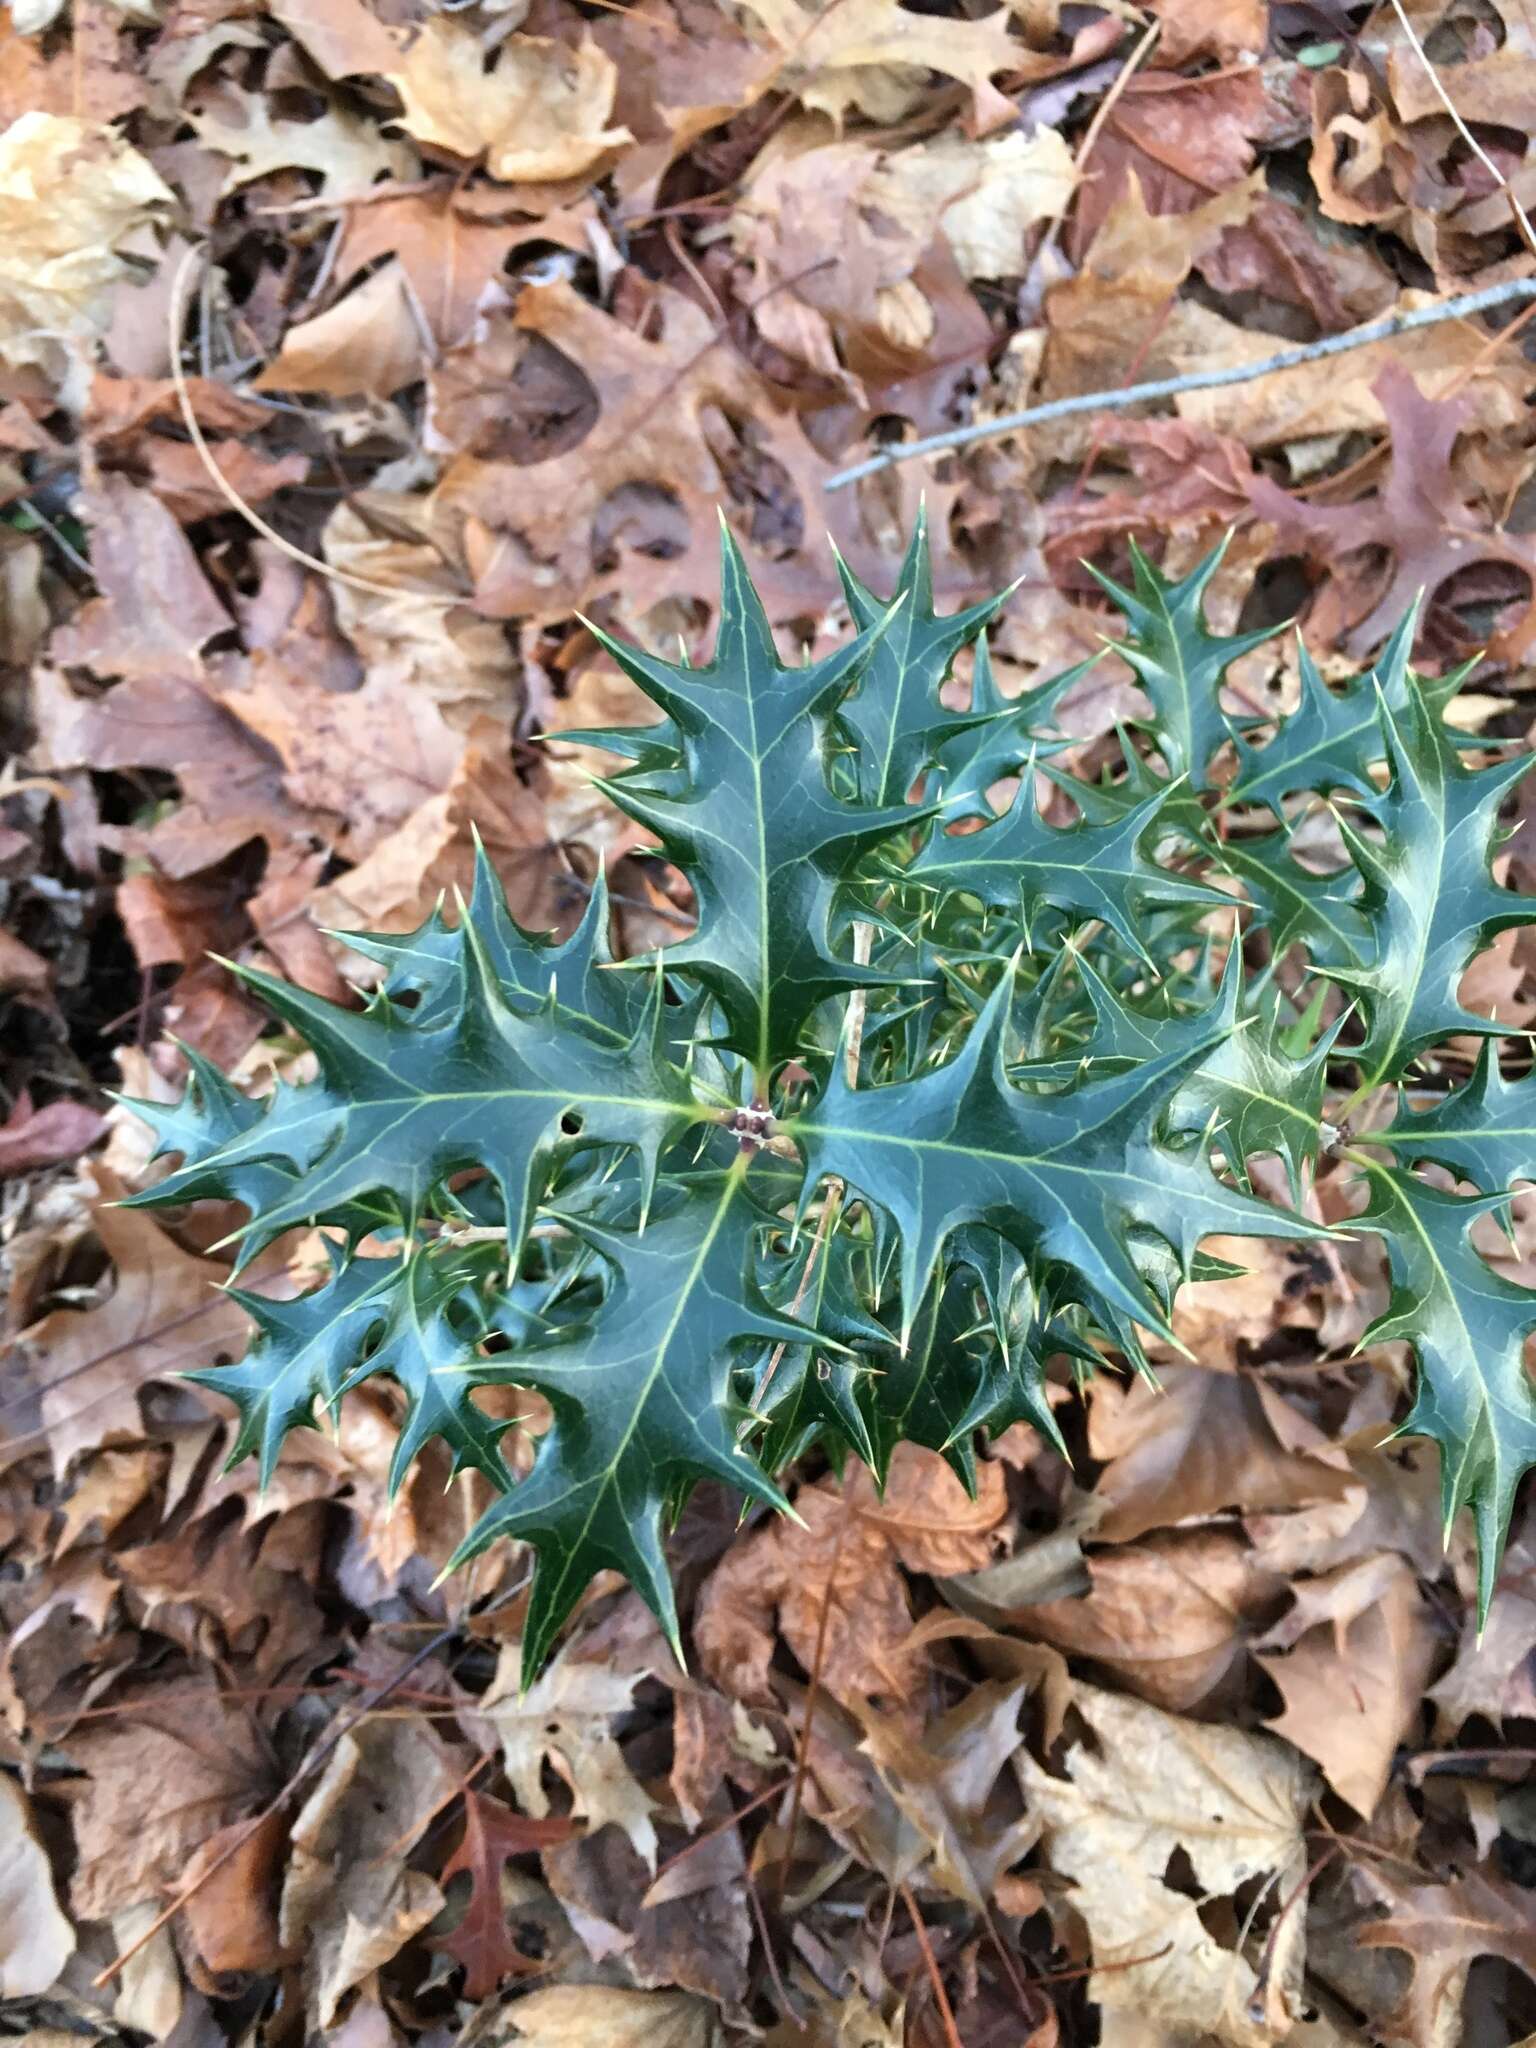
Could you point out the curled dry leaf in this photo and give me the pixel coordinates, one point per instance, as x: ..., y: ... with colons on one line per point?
x: 1149, y: 1789
x: 71, y: 193
x: 350, y: 1901
x: 1351, y: 1659
x: 834, y: 1587
x: 36, y: 1940
x: 539, y: 114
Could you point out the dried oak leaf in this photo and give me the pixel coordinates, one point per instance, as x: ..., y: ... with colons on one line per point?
x: 349, y: 1899
x: 537, y: 115
x: 1351, y: 1659
x: 163, y: 1774
x: 71, y: 192
x: 348, y: 151
x: 1183, y: 138
x: 482, y: 1940
x: 834, y: 1588
x: 528, y: 525
x: 565, y: 1720
x: 1443, y: 1929
x: 1420, y: 519
x: 874, y: 55
x: 1152, y: 1788
x: 165, y: 1314
x: 36, y: 1940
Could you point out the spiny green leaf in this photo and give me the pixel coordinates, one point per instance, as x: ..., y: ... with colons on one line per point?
x: 404, y: 1102
x: 752, y: 822
x: 641, y: 1399
x: 1429, y: 899
x: 590, y: 1173
x: 1178, y: 661
x: 1069, y: 1179
x: 1485, y: 1131
x: 1021, y: 865
x: 894, y: 717
x: 1468, y: 1328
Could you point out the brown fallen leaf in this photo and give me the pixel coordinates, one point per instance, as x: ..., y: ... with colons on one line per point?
x: 1443, y: 1929
x: 1205, y: 1441
x: 350, y: 1901
x: 370, y: 343
x: 564, y: 1721
x: 36, y: 1940
x: 344, y: 37
x: 833, y: 1587
x: 155, y: 609
x: 165, y: 1314
x: 871, y: 54
x: 603, y: 2016
x: 1152, y: 1787
x: 230, y: 1910
x: 349, y: 153
x: 528, y: 526
x: 30, y: 1138
x: 1351, y: 1659
x: 963, y: 1829
x: 538, y: 115
x: 1421, y: 524
x: 1494, y: 1671
x: 165, y: 1773
x: 1171, y: 1616
x: 482, y: 1941
x: 71, y: 192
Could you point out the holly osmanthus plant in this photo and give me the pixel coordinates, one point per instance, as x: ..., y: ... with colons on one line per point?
x: 937, y: 1099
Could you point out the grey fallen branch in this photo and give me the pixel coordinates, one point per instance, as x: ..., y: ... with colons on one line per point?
x: 1195, y: 380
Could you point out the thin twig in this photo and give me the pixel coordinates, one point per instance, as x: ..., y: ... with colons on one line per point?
x: 1463, y: 308
x: 930, y: 1963
x: 175, y: 317
x: 1095, y: 128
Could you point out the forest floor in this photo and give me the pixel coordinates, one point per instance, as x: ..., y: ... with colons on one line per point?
x: 352, y: 352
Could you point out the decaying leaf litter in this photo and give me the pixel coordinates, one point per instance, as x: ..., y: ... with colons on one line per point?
x: 480, y: 315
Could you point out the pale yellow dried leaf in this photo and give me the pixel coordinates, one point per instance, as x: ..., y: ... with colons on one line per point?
x: 1153, y: 1784
x: 349, y: 1900
x: 35, y: 1938
x: 874, y: 56
x: 368, y: 344
x: 605, y: 2016
x: 984, y: 196
x: 71, y: 192
x: 539, y: 115
x: 349, y: 153
x: 566, y: 1720
x: 448, y: 653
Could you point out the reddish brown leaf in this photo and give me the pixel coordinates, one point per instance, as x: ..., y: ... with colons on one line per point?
x: 482, y: 1941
